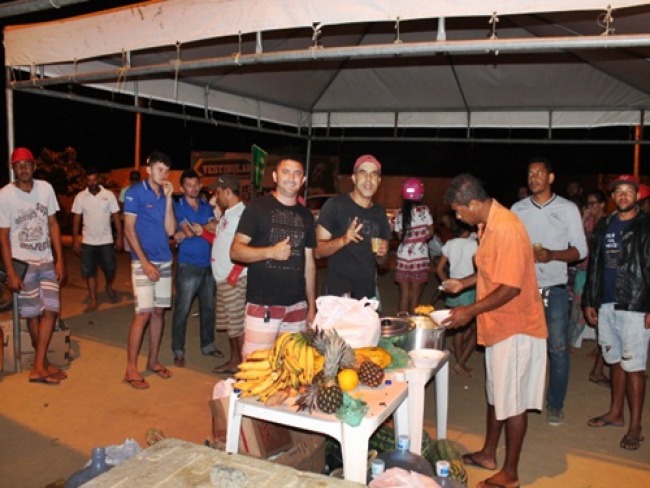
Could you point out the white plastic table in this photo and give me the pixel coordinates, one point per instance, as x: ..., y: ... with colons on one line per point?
x: 383, y: 401
x: 417, y: 381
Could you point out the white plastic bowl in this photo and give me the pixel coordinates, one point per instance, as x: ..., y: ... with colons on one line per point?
x: 438, y: 316
x: 426, y: 358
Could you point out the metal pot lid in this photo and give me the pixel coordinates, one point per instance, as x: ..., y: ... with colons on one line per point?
x: 395, y: 326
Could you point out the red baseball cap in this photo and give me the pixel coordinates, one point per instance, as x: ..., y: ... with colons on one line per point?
x: 624, y: 180
x: 644, y: 191
x: 367, y: 158
x: 21, y: 154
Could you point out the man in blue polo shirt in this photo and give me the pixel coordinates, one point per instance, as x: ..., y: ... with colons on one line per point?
x: 194, y: 271
x: 148, y: 223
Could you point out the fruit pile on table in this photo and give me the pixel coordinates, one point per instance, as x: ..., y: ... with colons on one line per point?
x: 316, y: 367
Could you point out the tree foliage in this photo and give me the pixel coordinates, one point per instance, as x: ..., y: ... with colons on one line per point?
x: 62, y: 170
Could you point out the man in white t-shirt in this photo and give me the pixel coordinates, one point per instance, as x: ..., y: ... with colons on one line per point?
x: 98, y: 207
x: 30, y: 232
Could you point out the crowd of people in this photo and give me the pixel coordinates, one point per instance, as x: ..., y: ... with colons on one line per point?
x: 505, y: 272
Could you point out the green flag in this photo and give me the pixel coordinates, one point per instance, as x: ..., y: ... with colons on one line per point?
x: 259, y: 156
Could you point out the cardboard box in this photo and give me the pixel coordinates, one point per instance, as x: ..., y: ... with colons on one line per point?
x: 58, y: 353
x: 258, y: 438
x: 307, y: 452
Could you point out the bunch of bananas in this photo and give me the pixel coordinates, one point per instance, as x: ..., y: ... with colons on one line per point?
x: 290, y: 363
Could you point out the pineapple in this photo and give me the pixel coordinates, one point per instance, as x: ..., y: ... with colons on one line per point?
x: 307, y: 398
x: 330, y: 397
x: 370, y: 374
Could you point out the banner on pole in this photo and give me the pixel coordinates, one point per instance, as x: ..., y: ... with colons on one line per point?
x: 258, y: 157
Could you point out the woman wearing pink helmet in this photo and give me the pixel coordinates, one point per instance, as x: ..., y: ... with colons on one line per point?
x: 414, y: 226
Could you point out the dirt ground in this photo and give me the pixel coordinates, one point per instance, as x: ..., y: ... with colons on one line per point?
x: 47, y: 432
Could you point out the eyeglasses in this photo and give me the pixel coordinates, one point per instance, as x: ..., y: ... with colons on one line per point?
x: 593, y: 203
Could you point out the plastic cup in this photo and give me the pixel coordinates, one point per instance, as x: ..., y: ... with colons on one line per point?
x: 375, y: 242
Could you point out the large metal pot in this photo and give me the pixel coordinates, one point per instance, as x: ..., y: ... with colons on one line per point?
x: 396, y: 329
x: 411, y: 332
x: 426, y: 335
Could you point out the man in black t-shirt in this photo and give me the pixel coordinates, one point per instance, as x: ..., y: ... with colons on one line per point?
x: 617, y: 298
x: 347, y: 226
x: 275, y: 238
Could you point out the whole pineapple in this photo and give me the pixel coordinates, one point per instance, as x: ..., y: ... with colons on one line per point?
x: 330, y: 397
x: 370, y: 374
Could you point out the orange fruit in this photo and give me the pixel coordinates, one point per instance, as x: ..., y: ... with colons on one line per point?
x: 348, y: 379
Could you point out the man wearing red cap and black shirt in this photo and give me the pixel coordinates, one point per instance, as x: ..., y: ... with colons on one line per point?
x: 30, y: 232
x: 617, y: 297
x: 644, y: 198
x: 346, y: 226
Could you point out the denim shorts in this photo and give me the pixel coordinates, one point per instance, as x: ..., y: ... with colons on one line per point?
x: 623, y: 337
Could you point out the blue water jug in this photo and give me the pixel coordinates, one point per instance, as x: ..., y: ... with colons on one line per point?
x: 405, y: 459
x: 96, y: 467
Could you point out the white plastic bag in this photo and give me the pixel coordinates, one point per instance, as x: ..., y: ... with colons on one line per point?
x: 401, y: 478
x: 356, y: 321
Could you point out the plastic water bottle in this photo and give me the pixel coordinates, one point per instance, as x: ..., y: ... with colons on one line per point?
x: 96, y: 467
x: 405, y: 459
x: 377, y: 467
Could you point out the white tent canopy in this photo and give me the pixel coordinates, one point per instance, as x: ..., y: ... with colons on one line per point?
x: 315, y: 65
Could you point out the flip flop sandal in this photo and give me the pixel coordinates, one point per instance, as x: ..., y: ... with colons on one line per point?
x: 631, y: 443
x: 470, y: 460
x: 599, y: 421
x: 162, y: 372
x: 215, y: 354
x: 224, y: 370
x: 46, y: 380
x: 137, y: 383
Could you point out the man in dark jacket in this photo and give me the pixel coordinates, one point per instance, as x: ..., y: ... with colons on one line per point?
x: 617, y: 297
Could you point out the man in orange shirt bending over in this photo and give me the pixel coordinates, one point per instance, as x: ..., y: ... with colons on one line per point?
x: 510, y: 324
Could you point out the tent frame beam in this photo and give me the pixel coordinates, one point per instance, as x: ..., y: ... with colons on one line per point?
x: 464, y: 47
x: 327, y: 137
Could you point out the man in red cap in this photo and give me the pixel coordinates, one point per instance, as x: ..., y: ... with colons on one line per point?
x: 644, y: 198
x: 617, y: 298
x: 30, y: 232
x: 347, y: 225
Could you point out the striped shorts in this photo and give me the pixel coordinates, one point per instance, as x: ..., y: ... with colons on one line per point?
x: 264, y: 323
x: 231, y: 305
x: 151, y: 294
x: 40, y: 291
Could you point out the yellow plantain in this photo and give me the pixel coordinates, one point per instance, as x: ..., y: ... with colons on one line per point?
x: 278, y: 349
x: 255, y: 365
x: 253, y: 374
x: 244, y: 385
x: 260, y: 354
x: 261, y: 386
x: 309, y: 366
x: 291, y: 362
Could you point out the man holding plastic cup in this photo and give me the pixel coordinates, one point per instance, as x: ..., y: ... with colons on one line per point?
x: 346, y: 228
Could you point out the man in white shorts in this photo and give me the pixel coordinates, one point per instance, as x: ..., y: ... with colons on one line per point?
x: 148, y: 222
x: 510, y: 324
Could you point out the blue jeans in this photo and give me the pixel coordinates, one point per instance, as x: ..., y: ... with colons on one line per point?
x: 556, y: 309
x: 192, y: 281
